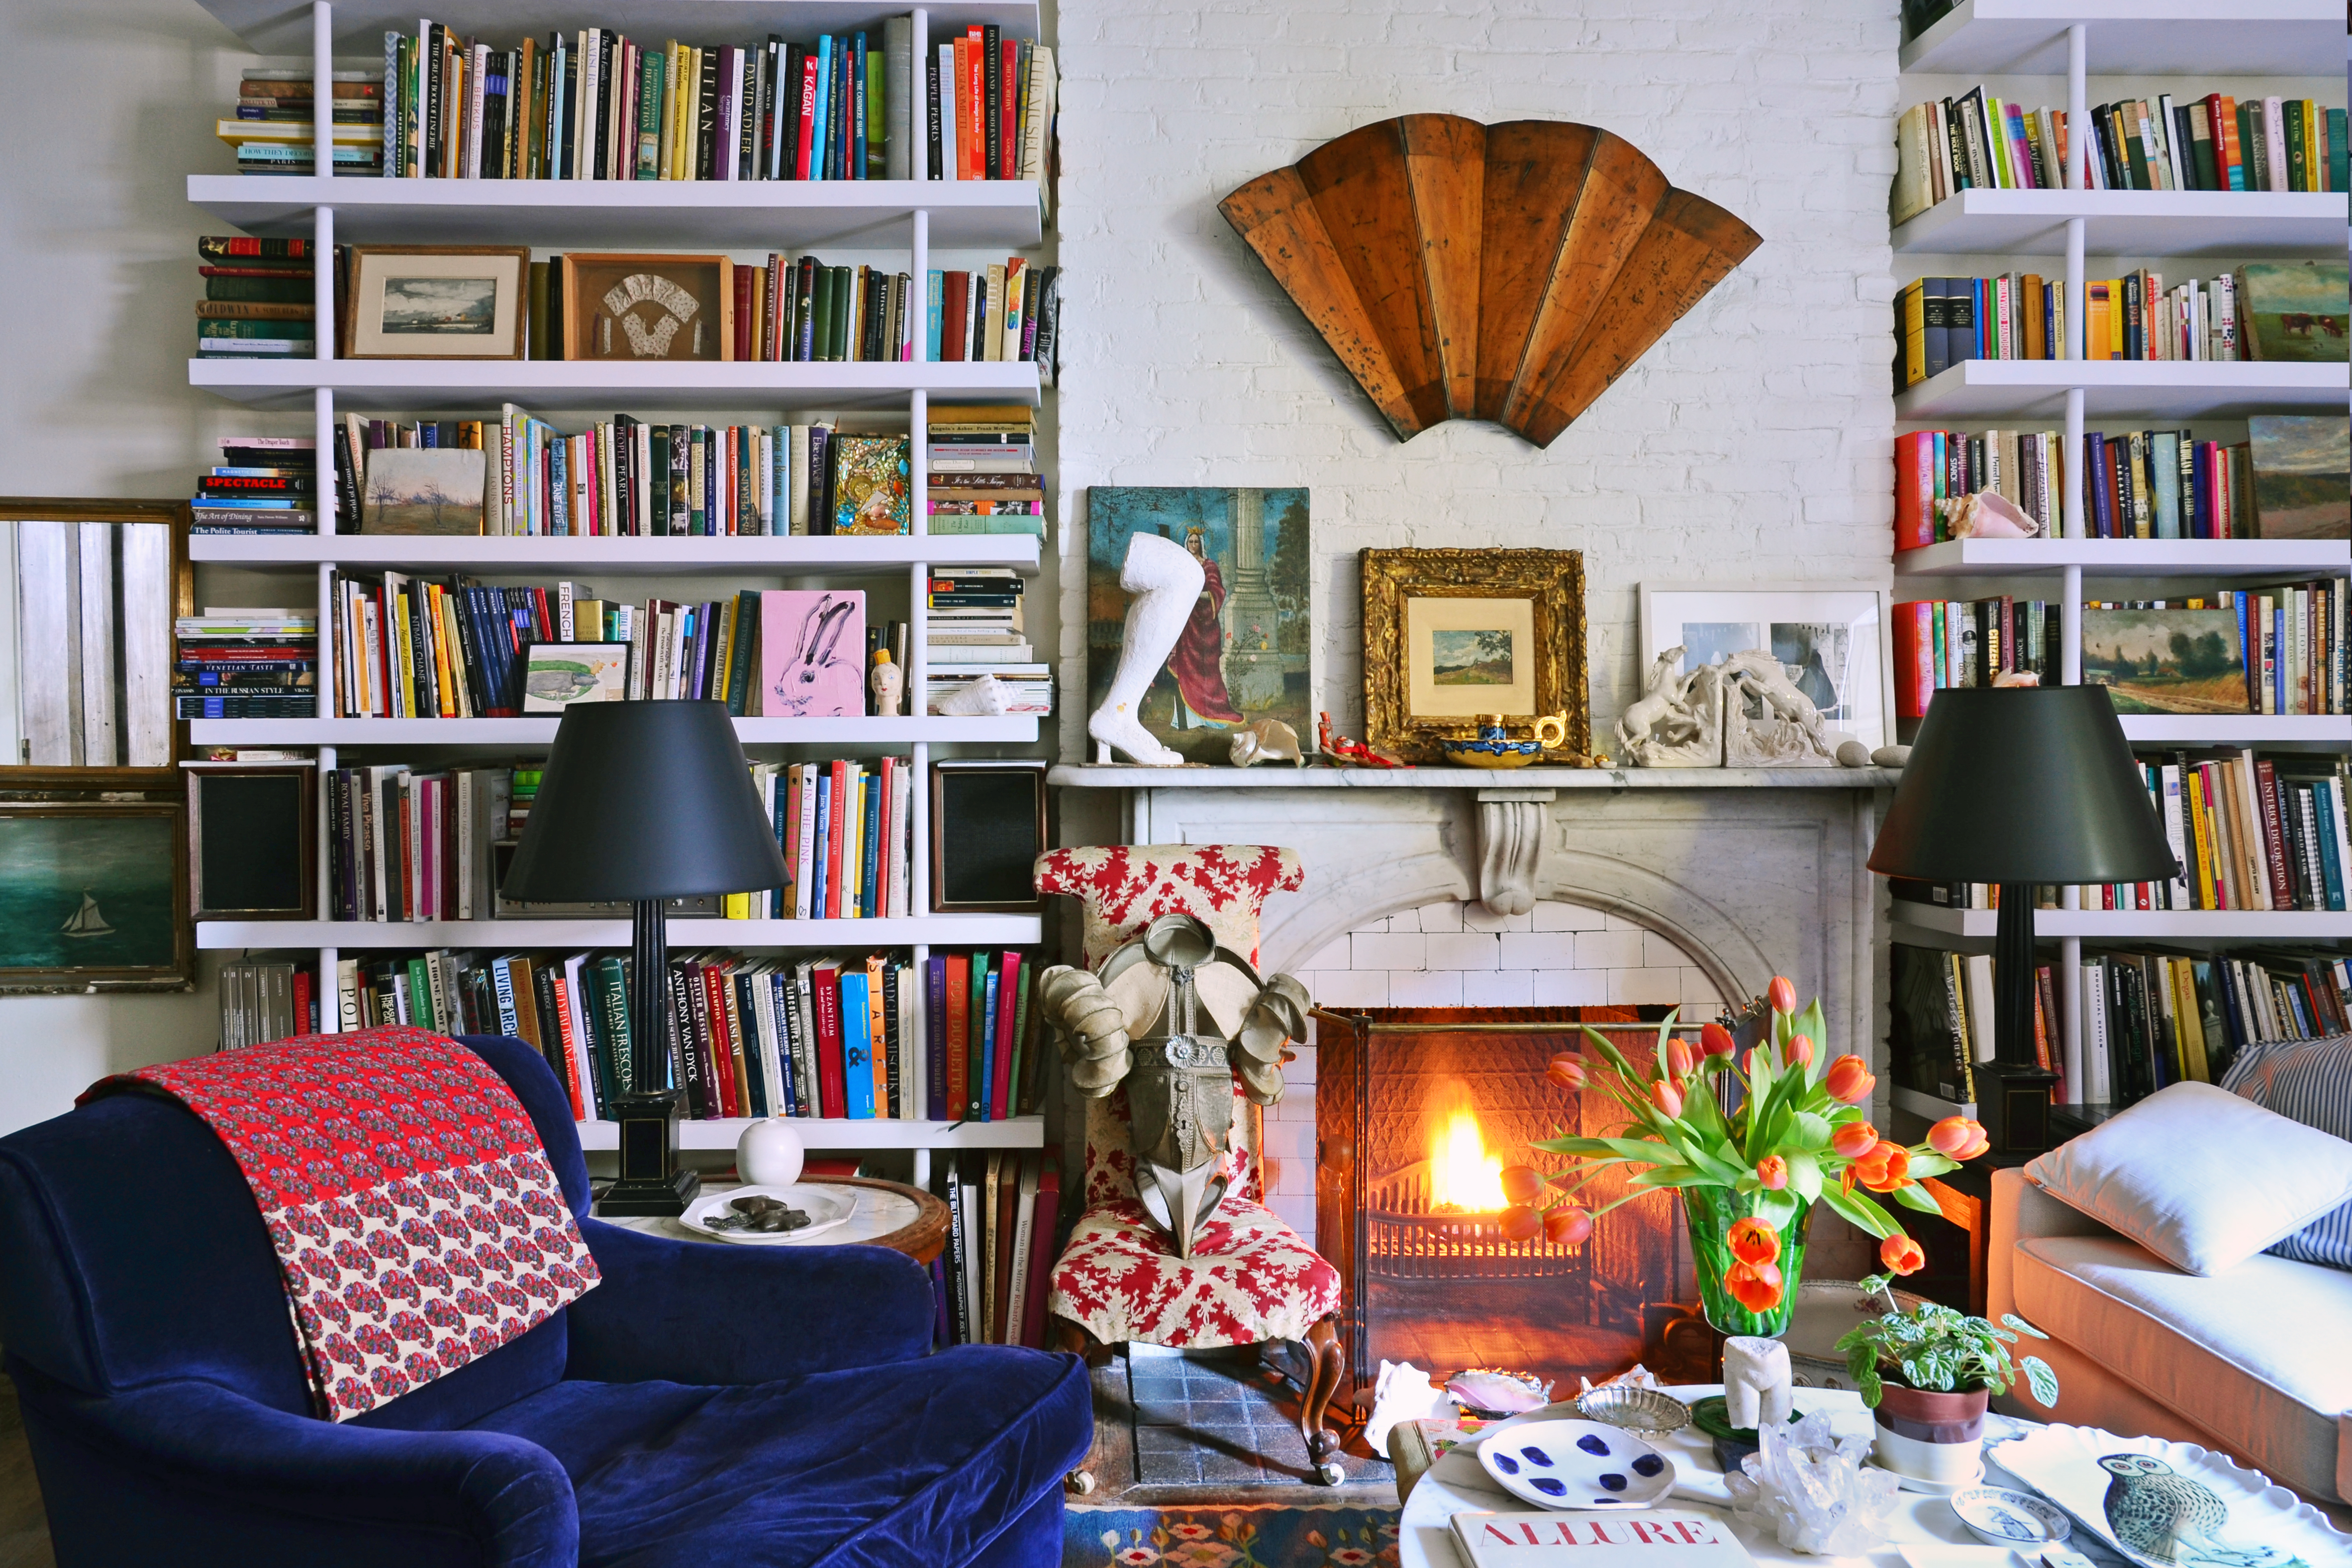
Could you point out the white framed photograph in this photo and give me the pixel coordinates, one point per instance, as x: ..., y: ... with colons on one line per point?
x: 448, y: 301
x: 557, y: 674
x: 1829, y: 638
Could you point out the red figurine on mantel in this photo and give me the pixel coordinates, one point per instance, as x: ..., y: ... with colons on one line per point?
x: 1347, y: 753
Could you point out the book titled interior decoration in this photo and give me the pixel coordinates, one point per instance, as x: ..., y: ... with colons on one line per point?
x: 592, y: 104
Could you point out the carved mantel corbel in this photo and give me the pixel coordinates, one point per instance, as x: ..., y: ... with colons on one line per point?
x: 1511, y: 827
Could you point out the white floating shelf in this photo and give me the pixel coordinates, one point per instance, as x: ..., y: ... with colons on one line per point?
x: 633, y: 215
x: 403, y: 385
x: 939, y: 930
x: 2125, y: 557
x: 832, y: 1132
x: 538, y: 731
x: 783, y: 555
x: 1275, y: 776
x: 2236, y: 729
x: 2160, y: 389
x: 2131, y: 37
x: 2126, y: 223
x: 2234, y: 925
x: 283, y: 27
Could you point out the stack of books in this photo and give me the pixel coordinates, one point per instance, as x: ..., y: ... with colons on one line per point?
x: 2252, y: 833
x: 983, y: 470
x: 972, y: 627
x: 1941, y: 644
x: 258, y: 296
x: 272, y: 131
x: 807, y: 310
x: 991, y: 106
x: 262, y: 1000
x: 992, y: 1282
x: 1937, y: 470
x: 264, y: 485
x: 846, y: 829
x: 409, y: 844
x: 2151, y: 1019
x: 1941, y: 1017
x: 1008, y: 313
x: 1978, y: 142
x: 237, y: 663
x: 983, y: 1044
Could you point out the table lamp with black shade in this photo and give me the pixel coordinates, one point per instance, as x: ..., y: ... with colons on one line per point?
x: 2021, y: 786
x: 641, y: 802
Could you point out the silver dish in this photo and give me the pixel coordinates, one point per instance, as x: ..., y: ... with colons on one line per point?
x: 1639, y: 1410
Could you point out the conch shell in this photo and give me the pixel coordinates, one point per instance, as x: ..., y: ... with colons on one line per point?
x: 1268, y: 738
x: 1988, y: 515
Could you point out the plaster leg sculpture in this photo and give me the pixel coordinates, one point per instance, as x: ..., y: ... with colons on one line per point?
x: 1756, y: 1381
x: 1165, y: 580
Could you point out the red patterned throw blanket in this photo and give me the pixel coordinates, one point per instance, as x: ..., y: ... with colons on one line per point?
x: 415, y: 1217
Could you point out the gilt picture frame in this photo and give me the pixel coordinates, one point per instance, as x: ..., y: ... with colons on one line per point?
x: 436, y: 302
x: 1452, y: 635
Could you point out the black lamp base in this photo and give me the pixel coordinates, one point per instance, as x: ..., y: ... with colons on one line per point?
x: 2013, y: 1091
x: 665, y: 1196
x: 651, y: 1182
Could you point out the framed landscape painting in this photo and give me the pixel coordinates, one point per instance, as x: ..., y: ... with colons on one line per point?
x: 1451, y: 636
x: 2167, y: 661
x: 93, y: 895
x: 1246, y: 651
x: 445, y: 301
x: 1831, y: 640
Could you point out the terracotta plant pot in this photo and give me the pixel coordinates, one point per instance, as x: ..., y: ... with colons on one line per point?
x: 1936, y: 1437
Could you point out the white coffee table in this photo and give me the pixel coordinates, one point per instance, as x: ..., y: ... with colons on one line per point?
x: 1455, y: 1482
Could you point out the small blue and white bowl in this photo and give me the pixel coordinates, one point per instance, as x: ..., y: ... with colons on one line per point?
x: 1576, y: 1464
x: 1999, y: 1517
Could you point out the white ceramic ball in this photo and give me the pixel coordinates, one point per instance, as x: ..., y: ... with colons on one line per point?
x: 768, y: 1155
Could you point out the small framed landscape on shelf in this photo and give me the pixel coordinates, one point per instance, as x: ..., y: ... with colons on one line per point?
x: 1451, y: 636
x: 410, y: 301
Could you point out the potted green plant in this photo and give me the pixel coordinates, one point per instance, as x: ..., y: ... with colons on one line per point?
x: 1927, y: 1375
x: 1751, y: 1141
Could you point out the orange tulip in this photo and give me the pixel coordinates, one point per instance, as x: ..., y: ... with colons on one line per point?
x: 1755, y: 1286
x: 1566, y: 1226
x: 1853, y: 1139
x: 1782, y: 994
x: 1753, y: 1241
x: 1799, y: 1052
x: 1951, y: 1135
x: 1748, y: 1062
x: 1978, y: 1142
x: 1901, y: 1254
x: 1772, y: 1172
x: 1886, y: 1167
x: 1567, y: 1071
x: 1522, y: 1183
x: 1849, y: 1079
x: 1520, y: 1223
x: 1715, y: 1040
x: 1667, y: 1097
x: 1678, y: 1058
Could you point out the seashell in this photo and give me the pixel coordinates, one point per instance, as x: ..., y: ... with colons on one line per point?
x: 1503, y: 272
x: 1988, y: 515
x: 1268, y: 738
x: 1491, y: 1393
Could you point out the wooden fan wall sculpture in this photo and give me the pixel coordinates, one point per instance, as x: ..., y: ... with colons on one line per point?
x: 1466, y: 271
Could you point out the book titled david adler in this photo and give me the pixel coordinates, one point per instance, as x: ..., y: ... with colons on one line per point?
x: 1657, y: 1537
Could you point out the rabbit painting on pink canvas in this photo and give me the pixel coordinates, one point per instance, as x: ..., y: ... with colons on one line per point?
x: 811, y: 653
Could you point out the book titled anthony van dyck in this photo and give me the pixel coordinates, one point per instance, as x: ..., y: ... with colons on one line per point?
x: 1657, y: 1538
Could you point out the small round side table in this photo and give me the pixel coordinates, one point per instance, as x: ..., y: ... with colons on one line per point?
x: 888, y: 1214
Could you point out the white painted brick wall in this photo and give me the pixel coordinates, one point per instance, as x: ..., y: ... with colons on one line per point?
x: 1555, y: 955
x: 1753, y: 441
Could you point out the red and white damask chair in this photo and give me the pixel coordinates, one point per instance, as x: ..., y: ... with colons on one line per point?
x: 1250, y: 1279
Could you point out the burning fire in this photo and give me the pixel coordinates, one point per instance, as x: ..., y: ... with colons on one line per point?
x: 1462, y: 1179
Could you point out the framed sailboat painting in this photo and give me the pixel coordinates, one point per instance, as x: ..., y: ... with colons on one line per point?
x: 93, y: 894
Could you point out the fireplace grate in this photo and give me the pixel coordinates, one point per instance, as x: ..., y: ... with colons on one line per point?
x: 1403, y: 1240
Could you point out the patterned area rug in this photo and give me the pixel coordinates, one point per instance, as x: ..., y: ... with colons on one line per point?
x: 1222, y: 1536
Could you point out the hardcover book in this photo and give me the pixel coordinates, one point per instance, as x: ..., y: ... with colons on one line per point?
x: 1657, y: 1538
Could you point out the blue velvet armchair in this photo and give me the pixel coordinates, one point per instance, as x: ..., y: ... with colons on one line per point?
x: 703, y: 1405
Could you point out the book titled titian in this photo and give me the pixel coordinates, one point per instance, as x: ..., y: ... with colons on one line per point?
x: 1655, y: 1538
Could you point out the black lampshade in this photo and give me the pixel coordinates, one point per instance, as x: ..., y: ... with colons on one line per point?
x: 645, y: 800
x: 2023, y: 785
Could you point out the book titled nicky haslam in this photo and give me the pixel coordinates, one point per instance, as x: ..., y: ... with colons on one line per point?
x: 1657, y: 1538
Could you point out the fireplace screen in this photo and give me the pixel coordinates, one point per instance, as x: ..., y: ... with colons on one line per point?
x: 1417, y: 1112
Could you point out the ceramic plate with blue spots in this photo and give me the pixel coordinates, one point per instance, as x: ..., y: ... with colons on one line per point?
x: 1576, y: 1464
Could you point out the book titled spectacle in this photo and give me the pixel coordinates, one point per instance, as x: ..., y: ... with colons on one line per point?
x: 1656, y: 1537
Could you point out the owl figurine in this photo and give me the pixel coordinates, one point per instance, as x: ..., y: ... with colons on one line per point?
x: 2171, y: 1517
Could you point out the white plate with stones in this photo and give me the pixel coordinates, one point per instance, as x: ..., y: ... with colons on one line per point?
x: 1576, y: 1464
x: 826, y: 1206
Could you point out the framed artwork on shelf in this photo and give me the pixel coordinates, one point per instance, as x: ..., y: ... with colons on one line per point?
x: 252, y: 841
x: 555, y: 675
x: 424, y: 490
x: 988, y: 827
x: 1829, y: 638
x: 87, y: 593
x: 811, y: 653
x: 1450, y: 635
x: 436, y: 302
x: 1245, y: 653
x: 2172, y: 660
x: 655, y: 306
x: 93, y: 888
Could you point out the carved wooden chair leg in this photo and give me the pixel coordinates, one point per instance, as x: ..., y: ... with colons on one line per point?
x: 1324, y: 1373
x: 1062, y: 1334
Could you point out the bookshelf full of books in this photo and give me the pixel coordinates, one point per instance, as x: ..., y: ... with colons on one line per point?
x: 2120, y: 380
x: 850, y: 446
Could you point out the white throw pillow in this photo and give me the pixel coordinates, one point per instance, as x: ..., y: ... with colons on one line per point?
x: 2199, y: 1177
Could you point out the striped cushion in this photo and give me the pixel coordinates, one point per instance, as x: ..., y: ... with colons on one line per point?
x: 2308, y: 1081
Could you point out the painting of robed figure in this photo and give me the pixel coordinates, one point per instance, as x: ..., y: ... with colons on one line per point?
x: 1245, y: 652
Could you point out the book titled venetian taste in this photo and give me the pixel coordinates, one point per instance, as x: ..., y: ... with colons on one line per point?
x: 1656, y: 1537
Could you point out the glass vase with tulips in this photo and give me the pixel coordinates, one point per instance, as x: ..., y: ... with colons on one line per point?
x: 1799, y: 1136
